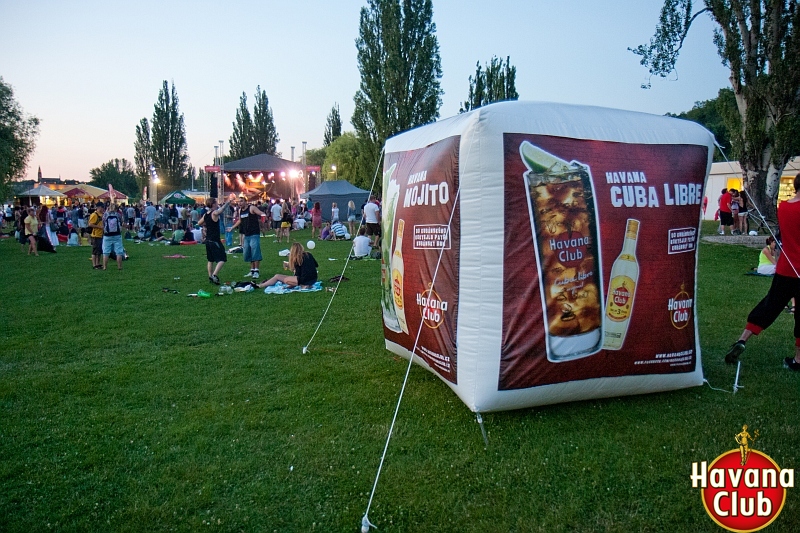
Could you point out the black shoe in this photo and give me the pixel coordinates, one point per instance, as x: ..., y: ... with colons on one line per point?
x: 791, y: 364
x: 732, y: 357
x: 214, y: 280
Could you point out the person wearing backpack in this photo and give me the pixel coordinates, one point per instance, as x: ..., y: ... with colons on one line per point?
x: 112, y: 236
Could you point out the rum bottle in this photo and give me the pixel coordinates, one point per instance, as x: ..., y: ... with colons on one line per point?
x: 621, y: 290
x: 397, y: 276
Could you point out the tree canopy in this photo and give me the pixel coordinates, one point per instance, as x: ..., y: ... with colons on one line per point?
x: 494, y: 84
x: 345, y: 153
x: 142, y: 157
x: 759, y: 43
x: 253, y: 134
x: 117, y: 172
x: 168, y: 149
x: 711, y: 114
x: 18, y: 132
x: 400, y: 66
x: 333, y: 128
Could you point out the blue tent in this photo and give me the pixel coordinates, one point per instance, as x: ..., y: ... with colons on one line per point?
x: 341, y: 192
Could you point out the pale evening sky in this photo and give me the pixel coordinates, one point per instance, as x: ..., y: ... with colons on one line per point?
x: 91, y: 69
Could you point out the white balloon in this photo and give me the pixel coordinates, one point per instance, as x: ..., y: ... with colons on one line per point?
x: 311, y: 245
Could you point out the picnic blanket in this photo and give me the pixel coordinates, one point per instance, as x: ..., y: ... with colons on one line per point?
x: 176, y: 256
x: 282, y: 288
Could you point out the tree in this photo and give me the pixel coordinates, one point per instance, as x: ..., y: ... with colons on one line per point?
x: 315, y: 157
x: 345, y: 153
x: 711, y: 114
x: 117, y: 172
x: 142, y: 153
x: 265, y: 136
x: 169, y: 152
x: 398, y: 58
x: 241, y: 141
x: 496, y: 83
x: 18, y: 133
x: 333, y: 128
x: 759, y: 43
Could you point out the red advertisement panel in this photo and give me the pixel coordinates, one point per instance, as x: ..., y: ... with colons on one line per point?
x: 420, y: 223
x: 599, y: 267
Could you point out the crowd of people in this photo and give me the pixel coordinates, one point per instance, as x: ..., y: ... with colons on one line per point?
x: 106, y: 227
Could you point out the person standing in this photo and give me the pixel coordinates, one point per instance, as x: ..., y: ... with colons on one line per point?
x: 334, y: 213
x: 112, y: 236
x: 785, y: 285
x: 725, y: 214
x: 316, y: 219
x: 250, y: 230
x: 31, y: 228
x: 96, y: 227
x: 150, y: 214
x: 372, y: 219
x: 215, y: 251
x: 351, y: 216
x: 276, y: 214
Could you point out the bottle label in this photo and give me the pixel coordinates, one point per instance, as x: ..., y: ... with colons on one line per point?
x: 397, y: 288
x: 620, y: 298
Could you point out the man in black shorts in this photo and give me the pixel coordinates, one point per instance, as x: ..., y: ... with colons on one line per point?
x: 372, y: 219
x: 215, y: 251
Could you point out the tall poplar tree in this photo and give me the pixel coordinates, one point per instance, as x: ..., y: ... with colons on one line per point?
x: 333, y: 128
x: 759, y: 42
x: 398, y: 57
x: 241, y: 141
x: 142, y: 153
x: 169, y: 151
x: 494, y: 84
x: 265, y: 136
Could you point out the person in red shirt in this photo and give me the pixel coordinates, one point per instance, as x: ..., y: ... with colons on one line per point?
x: 725, y: 213
x: 785, y: 285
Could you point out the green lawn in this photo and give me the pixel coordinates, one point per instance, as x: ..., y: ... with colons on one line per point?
x: 124, y: 408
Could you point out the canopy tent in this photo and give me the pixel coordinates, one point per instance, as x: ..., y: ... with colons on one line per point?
x: 264, y: 173
x: 117, y: 196
x: 339, y: 191
x: 178, y: 197
x: 39, y: 191
x: 77, y: 192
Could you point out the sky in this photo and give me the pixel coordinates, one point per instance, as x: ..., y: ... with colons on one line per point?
x: 91, y: 70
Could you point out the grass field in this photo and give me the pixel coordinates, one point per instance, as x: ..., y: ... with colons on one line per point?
x: 125, y: 408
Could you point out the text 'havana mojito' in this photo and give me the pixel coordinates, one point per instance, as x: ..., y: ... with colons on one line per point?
x: 564, y: 224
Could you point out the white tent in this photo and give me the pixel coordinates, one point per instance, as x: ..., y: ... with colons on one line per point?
x: 509, y: 233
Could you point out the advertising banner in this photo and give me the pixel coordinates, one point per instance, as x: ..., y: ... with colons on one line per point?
x: 420, y: 221
x: 536, y: 253
x: 599, y: 262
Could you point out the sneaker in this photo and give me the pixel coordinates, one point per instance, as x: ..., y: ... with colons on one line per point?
x: 249, y: 288
x: 791, y: 364
x: 732, y: 357
x: 214, y: 280
x: 721, y: 232
x: 255, y: 275
x: 249, y: 274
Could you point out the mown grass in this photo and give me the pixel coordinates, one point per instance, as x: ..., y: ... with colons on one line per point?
x: 123, y: 408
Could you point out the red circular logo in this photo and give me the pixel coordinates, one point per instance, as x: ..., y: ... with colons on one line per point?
x: 621, y: 296
x: 747, y: 497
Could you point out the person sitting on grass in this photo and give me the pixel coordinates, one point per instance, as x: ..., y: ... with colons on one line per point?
x: 325, y: 234
x: 304, y: 266
x: 177, y: 236
x: 339, y: 232
x: 362, y: 245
